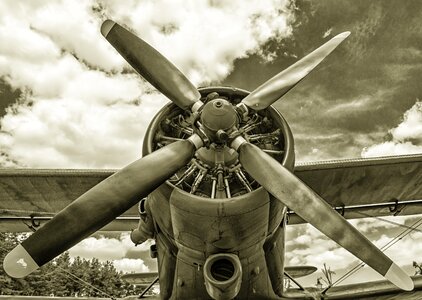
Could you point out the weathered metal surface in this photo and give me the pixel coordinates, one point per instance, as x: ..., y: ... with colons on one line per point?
x: 204, y: 226
x: 397, y: 208
x: 166, y: 260
x: 38, y: 190
x: 31, y: 197
x: 274, y: 249
x: 213, y: 225
x: 27, y: 224
x: 366, y: 180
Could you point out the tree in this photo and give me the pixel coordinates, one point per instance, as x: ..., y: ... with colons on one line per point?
x: 8, y: 285
x: 328, y: 277
x: 64, y: 276
x: 328, y: 274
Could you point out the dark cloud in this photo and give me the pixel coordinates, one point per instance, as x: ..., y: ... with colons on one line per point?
x: 362, y: 89
x: 7, y: 96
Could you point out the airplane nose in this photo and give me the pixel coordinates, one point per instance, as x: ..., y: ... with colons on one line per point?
x: 218, y: 116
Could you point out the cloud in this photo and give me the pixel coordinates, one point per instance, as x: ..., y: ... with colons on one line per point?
x: 77, y: 33
x: 101, y: 248
x: 411, y: 127
x: 391, y: 148
x: 107, y: 248
x: 115, y: 249
x: 207, y: 35
x: 361, y: 90
x: 411, y: 244
x: 307, y: 246
x: 128, y: 265
x: 82, y: 106
x: 406, y: 138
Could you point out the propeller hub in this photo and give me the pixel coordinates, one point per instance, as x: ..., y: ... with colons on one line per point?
x: 218, y: 117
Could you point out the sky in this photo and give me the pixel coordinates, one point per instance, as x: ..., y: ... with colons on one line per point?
x: 68, y: 100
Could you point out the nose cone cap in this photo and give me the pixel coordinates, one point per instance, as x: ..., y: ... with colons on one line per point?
x: 218, y: 114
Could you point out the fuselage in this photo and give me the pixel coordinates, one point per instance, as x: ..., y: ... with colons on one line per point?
x: 217, y: 241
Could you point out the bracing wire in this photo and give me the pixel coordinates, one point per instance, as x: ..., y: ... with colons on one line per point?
x: 77, y: 279
x: 392, y: 242
x: 86, y: 283
x: 388, y: 221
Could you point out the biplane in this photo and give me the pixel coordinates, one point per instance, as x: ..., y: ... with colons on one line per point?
x: 216, y: 187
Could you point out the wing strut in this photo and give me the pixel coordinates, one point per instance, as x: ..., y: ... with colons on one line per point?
x: 294, y: 281
x: 149, y: 287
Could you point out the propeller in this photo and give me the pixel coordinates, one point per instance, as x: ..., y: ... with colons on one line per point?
x: 280, y: 84
x: 113, y: 196
x: 151, y: 65
x: 119, y: 192
x: 292, y: 192
x: 99, y: 206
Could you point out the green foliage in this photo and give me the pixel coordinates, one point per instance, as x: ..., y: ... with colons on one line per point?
x: 64, y: 276
x: 328, y: 277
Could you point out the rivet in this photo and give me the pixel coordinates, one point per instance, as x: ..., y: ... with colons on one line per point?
x: 180, y: 282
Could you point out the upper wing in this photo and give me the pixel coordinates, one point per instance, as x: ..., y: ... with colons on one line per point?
x: 357, y: 188
x: 29, y: 197
x: 365, y: 187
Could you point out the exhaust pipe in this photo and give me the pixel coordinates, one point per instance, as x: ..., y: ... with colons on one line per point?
x: 223, y: 276
x: 145, y: 228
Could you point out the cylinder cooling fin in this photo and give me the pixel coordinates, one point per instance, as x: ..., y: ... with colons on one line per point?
x: 215, y: 171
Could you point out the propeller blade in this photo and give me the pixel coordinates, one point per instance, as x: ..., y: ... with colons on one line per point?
x: 97, y: 207
x: 292, y: 192
x: 151, y: 65
x: 280, y: 84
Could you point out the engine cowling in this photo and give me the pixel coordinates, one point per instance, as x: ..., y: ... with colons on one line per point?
x: 215, y: 171
x: 205, y: 208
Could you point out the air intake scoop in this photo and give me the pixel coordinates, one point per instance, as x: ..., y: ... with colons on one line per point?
x: 223, y: 276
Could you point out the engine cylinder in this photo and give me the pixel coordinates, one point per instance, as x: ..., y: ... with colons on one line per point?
x: 223, y: 276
